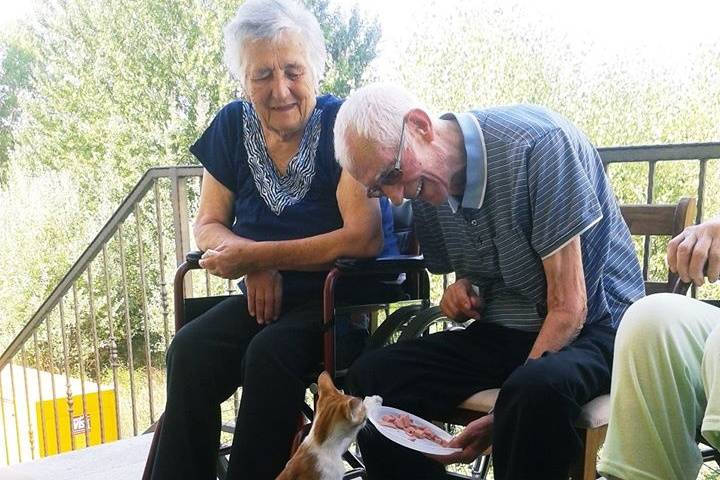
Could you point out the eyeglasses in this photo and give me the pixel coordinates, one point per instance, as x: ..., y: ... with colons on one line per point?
x: 392, y: 175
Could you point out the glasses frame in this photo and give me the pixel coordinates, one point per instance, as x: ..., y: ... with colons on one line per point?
x: 393, y: 174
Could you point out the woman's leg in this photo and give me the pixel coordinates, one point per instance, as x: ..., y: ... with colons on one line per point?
x: 203, y: 369
x: 657, y: 396
x: 275, y: 368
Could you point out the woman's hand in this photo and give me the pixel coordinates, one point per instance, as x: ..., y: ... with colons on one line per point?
x: 460, y: 302
x: 475, y: 439
x: 264, y: 292
x: 233, y: 258
x: 695, y: 253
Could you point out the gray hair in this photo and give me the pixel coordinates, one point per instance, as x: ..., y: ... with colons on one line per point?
x: 267, y: 19
x: 374, y: 112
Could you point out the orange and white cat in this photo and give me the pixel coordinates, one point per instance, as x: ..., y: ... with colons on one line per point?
x: 338, y: 418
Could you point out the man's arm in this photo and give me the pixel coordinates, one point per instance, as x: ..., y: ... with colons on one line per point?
x: 566, y: 299
x: 230, y: 256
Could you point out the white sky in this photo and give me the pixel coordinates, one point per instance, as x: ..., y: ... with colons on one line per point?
x: 12, y: 10
x: 662, y: 29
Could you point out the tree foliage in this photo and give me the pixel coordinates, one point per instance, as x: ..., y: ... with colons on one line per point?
x: 351, y: 45
x: 16, y: 63
x: 110, y: 89
x: 498, y: 54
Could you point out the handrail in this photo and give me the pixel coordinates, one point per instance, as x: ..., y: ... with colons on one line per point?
x: 646, y: 153
x: 94, y: 248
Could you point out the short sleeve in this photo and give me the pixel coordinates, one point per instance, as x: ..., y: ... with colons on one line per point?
x: 216, y: 149
x: 562, y: 197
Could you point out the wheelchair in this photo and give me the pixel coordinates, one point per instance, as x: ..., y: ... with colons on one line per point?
x: 411, y: 295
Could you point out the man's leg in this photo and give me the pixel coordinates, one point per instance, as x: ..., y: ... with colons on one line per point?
x: 657, y: 398
x: 203, y: 369
x: 430, y: 377
x: 275, y: 364
x: 534, y: 432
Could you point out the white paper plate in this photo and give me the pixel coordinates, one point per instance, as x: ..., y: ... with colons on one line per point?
x: 399, y: 436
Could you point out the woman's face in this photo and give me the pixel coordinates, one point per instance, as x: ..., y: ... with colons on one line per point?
x: 280, y: 85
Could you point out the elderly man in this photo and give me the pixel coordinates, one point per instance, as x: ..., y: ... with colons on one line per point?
x: 516, y: 202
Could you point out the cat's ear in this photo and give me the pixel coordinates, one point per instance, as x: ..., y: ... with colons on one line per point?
x: 356, y: 410
x: 325, y: 383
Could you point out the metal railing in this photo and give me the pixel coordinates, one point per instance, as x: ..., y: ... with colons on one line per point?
x: 641, y: 166
x: 88, y: 367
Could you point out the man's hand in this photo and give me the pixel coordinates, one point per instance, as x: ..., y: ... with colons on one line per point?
x: 460, y: 302
x: 474, y: 440
x: 696, y: 249
x: 233, y: 258
x: 264, y: 290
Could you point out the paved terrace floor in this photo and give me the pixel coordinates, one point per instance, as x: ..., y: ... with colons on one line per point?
x: 121, y: 460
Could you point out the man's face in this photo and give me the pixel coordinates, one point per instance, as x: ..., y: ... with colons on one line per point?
x: 279, y: 83
x: 394, y: 172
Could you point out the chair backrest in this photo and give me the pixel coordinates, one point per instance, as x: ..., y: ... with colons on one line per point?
x: 655, y: 220
x: 403, y: 227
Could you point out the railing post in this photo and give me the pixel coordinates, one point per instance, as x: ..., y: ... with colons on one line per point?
x: 181, y: 223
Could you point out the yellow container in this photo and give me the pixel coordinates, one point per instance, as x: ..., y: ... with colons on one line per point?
x: 83, y: 428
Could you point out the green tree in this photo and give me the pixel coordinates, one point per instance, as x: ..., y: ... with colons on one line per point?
x: 121, y: 86
x: 16, y: 62
x: 351, y: 46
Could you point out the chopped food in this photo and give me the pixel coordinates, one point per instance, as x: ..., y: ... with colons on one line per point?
x: 404, y: 422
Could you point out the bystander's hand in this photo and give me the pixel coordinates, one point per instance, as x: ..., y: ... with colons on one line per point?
x: 695, y: 253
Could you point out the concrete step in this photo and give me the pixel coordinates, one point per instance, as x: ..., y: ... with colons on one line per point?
x: 120, y: 460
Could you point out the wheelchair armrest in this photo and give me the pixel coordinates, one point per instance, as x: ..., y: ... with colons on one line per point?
x: 369, y: 266
x: 193, y: 258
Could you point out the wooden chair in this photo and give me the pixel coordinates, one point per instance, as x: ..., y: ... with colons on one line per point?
x: 648, y: 220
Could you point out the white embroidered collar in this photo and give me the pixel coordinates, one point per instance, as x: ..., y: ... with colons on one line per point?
x: 280, y: 191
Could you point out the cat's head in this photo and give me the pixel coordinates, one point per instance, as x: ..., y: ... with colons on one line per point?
x: 338, y: 416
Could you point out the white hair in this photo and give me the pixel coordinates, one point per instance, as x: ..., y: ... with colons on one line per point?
x: 375, y: 113
x: 267, y: 20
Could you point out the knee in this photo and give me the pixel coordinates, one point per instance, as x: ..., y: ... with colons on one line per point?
x: 262, y: 352
x: 181, y: 354
x: 713, y: 341
x: 359, y: 377
x: 652, y: 319
x: 531, y: 388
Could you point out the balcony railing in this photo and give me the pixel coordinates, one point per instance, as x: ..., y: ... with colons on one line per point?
x: 89, y: 366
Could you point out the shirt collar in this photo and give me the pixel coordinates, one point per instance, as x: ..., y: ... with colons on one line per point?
x: 476, y: 165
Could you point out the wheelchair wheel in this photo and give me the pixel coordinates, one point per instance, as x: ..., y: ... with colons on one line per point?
x: 390, y: 330
x: 428, y: 321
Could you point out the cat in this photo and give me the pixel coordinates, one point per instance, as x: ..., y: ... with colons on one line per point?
x: 338, y: 419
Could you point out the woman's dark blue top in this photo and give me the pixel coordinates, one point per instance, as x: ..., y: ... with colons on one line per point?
x: 269, y: 206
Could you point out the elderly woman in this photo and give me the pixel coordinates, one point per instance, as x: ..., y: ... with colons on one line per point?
x: 276, y: 208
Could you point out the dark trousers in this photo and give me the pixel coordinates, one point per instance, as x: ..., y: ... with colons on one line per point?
x: 206, y: 362
x: 534, y: 435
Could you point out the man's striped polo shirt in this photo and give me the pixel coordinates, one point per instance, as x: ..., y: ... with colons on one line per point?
x: 533, y: 183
